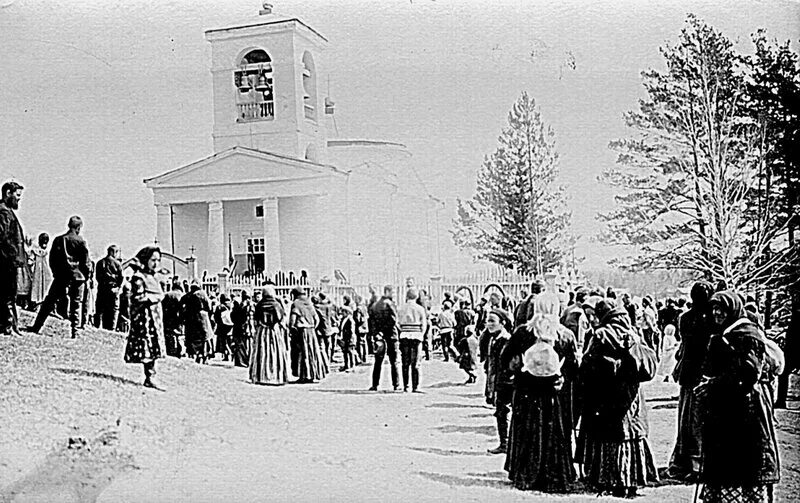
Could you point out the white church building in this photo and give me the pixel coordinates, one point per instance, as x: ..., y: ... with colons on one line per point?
x: 277, y: 194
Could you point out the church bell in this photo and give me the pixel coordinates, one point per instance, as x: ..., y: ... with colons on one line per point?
x: 244, y: 83
x: 262, y: 85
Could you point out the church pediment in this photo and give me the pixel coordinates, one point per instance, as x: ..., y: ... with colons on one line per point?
x: 239, y: 165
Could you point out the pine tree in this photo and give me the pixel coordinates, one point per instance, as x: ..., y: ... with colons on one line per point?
x: 688, y: 174
x: 518, y: 215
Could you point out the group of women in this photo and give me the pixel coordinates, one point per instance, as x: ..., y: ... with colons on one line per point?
x: 539, y: 374
x: 277, y: 341
x: 732, y: 405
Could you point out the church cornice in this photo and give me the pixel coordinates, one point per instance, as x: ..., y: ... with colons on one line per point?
x: 230, y: 31
x: 315, y: 168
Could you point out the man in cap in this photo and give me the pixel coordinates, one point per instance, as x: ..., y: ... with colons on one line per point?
x: 69, y: 261
x: 385, y: 334
x: 109, y: 281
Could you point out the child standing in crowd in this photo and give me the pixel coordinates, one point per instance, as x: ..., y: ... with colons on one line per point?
x: 468, y: 361
x: 347, y: 332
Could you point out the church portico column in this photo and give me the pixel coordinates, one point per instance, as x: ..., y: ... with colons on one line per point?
x: 215, y: 258
x: 325, y: 212
x: 272, y: 236
x: 164, y: 226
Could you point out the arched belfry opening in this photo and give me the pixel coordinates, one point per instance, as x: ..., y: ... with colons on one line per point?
x: 309, y: 87
x: 253, y: 79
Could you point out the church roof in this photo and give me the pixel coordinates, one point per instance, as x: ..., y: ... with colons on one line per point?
x: 266, y: 20
x: 309, y: 167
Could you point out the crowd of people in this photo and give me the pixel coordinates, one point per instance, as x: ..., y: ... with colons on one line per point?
x: 563, y: 369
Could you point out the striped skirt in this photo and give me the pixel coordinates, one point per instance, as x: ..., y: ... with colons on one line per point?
x: 609, y: 465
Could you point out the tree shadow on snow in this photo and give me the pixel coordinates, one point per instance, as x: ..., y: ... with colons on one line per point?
x: 448, y: 452
x: 96, y: 375
x: 455, y: 428
x: 466, y: 395
x: 446, y: 384
x: 447, y: 405
x: 354, y: 391
x: 480, y: 416
x: 485, y: 480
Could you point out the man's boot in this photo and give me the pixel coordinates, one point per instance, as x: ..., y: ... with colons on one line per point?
x: 502, y: 432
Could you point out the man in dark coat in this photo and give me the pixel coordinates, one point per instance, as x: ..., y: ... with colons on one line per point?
x: 173, y: 323
x: 385, y: 334
x: 524, y: 311
x: 69, y: 261
x: 12, y: 256
x: 108, y: 274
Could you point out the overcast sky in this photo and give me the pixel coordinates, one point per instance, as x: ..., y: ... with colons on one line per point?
x: 97, y: 95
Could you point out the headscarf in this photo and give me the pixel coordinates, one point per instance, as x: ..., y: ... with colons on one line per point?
x: 547, y: 303
x: 730, y: 303
x: 701, y: 294
x: 544, y: 327
x: 604, y: 309
x: 269, y: 309
x: 143, y: 257
x: 505, y: 319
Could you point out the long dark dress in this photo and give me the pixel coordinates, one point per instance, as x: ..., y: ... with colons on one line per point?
x: 197, y: 324
x: 468, y: 349
x: 242, y: 334
x: 310, y: 363
x: 146, y: 337
x: 694, y: 330
x: 269, y: 361
x: 740, y: 452
x: 222, y: 330
x: 540, y: 447
x: 612, y: 445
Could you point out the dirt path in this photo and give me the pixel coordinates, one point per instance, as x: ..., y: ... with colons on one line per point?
x: 213, y: 436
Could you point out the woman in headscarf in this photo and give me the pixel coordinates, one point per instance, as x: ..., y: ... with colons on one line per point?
x: 42, y: 277
x: 310, y: 364
x: 146, y: 336
x: 269, y: 359
x: 694, y: 330
x: 540, y: 448
x: 740, y: 454
x: 499, y: 379
x: 612, y: 445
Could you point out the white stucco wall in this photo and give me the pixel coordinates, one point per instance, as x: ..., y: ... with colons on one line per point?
x: 289, y: 132
x: 191, y: 229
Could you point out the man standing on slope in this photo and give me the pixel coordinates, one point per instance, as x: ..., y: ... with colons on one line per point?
x: 69, y: 261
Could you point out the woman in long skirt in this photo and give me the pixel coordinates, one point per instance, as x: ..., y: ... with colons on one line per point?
x: 243, y: 328
x: 740, y: 453
x: 42, y: 277
x: 197, y: 324
x: 269, y: 359
x: 146, y: 336
x: 612, y: 445
x: 540, y: 444
x: 310, y: 364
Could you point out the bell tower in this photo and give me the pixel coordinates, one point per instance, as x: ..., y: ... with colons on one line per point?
x: 266, y: 83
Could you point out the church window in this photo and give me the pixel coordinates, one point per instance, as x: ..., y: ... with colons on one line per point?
x: 309, y: 87
x: 254, y: 87
x: 255, y: 254
x: 311, y: 153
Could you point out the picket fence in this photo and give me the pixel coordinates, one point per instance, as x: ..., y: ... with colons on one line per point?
x: 473, y: 285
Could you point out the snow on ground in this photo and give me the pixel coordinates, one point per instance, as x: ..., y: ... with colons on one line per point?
x: 78, y: 426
